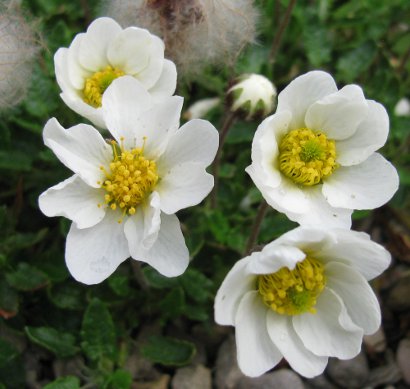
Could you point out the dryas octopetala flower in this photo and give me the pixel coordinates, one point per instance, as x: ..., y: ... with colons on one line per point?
x: 304, y: 297
x: 104, y: 53
x: 315, y: 159
x: 124, y: 192
x: 253, y: 96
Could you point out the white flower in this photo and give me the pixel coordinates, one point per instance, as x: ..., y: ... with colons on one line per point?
x: 201, y: 108
x: 253, y: 96
x: 104, y: 53
x: 304, y: 297
x: 124, y: 193
x: 402, y: 107
x: 315, y: 159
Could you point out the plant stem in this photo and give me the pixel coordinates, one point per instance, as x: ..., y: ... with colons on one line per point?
x: 279, y: 35
x: 227, y: 123
x: 263, y: 208
x: 139, y: 276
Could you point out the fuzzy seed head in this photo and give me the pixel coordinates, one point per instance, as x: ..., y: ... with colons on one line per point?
x: 19, y: 45
x: 196, y: 33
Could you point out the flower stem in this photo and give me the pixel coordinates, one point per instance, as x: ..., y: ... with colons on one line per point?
x: 227, y: 123
x: 138, y: 274
x: 279, y: 35
x: 263, y: 208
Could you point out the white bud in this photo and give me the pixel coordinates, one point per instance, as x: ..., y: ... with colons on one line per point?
x: 402, y: 107
x: 200, y: 108
x: 253, y: 96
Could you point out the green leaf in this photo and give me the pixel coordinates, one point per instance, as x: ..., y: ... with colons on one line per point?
x: 26, y: 278
x: 356, y: 61
x: 168, y: 351
x: 196, y: 285
x: 172, y: 304
x: 120, y: 379
x: 61, y: 344
x: 68, y: 295
x: 119, y: 284
x: 16, y: 160
x: 11, y: 366
x: 69, y: 382
x: 98, y: 332
x: 9, y: 302
x: 157, y: 280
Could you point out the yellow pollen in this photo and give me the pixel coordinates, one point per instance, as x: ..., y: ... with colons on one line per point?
x: 292, y: 292
x: 307, y: 157
x: 96, y: 85
x: 125, y: 188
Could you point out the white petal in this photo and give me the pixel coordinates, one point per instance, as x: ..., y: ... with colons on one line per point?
x: 339, y: 114
x: 273, y: 257
x: 286, y: 197
x: 265, y: 152
x: 167, y: 83
x: 236, y: 283
x: 329, y: 332
x: 75, y: 200
x: 76, y: 103
x: 81, y: 148
x: 93, y: 254
x: 122, y: 104
x: 169, y: 254
x: 196, y: 141
x: 158, y: 124
x: 77, y: 74
x: 307, y: 239
x: 256, y: 352
x: 300, y: 359
x: 138, y: 53
x: 141, y: 229
x: 320, y: 213
x: 61, y: 70
x: 302, y: 92
x: 184, y: 186
x: 92, y: 53
x: 357, y: 295
x: 370, y: 136
x: 368, y: 185
x: 356, y: 249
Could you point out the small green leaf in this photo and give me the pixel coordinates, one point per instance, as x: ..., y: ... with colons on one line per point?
x: 120, y: 379
x: 157, y: 280
x: 9, y: 302
x: 168, y: 351
x: 98, y: 332
x: 173, y: 303
x: 68, y: 295
x: 61, y: 344
x: 26, y: 278
x: 196, y: 285
x: 119, y: 285
x: 11, y: 366
x: 69, y: 382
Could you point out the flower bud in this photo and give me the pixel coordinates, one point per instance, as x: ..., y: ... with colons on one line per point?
x: 253, y: 97
x: 402, y: 107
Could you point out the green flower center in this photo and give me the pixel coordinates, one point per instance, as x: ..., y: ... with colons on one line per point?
x: 96, y: 85
x: 307, y: 157
x: 292, y: 292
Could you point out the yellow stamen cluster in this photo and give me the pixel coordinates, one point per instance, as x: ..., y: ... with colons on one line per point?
x: 307, y: 157
x: 292, y: 292
x: 131, y: 179
x: 96, y: 85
